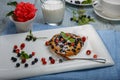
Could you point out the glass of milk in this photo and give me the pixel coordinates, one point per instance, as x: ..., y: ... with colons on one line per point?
x: 53, y: 11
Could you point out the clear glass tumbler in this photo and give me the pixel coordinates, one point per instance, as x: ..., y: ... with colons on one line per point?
x: 53, y: 11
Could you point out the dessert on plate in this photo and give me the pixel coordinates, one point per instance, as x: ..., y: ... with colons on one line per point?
x: 65, y: 44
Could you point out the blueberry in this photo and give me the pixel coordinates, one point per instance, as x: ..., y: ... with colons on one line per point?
x: 60, y: 60
x: 50, y: 58
x: 14, y: 59
x: 71, y: 19
x: 35, y: 60
x: 30, y: 56
x: 34, y: 38
x: 77, y: 2
x: 18, y: 55
x: 18, y: 65
x: 26, y: 65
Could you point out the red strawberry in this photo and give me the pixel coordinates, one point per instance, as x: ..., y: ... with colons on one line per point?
x: 22, y: 46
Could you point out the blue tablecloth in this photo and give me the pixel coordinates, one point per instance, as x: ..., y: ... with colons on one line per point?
x: 111, y: 40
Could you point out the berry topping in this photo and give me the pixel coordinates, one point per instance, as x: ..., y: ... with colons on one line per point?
x: 18, y: 65
x: 26, y: 65
x: 18, y: 55
x: 22, y: 46
x: 33, y: 53
x: 36, y: 60
x: 33, y: 62
x: 43, y: 59
x: 44, y: 62
x: 23, y: 60
x: 95, y: 56
x: 13, y: 59
x: 17, y: 51
x: 50, y: 58
x: 83, y: 38
x: 88, y: 52
x: 47, y: 43
x: 30, y: 56
x: 52, y: 61
x: 15, y: 47
x: 60, y: 60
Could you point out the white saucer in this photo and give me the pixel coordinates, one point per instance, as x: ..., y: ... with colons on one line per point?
x: 73, y: 3
x: 99, y: 13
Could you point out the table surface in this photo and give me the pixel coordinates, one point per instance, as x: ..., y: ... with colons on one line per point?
x: 104, y: 27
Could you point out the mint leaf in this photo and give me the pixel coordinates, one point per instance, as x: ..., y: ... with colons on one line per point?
x: 67, y: 37
x: 24, y: 55
x: 14, y: 3
x: 72, y: 40
x: 10, y: 13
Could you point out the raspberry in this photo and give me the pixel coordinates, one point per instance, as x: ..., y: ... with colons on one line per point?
x: 33, y: 53
x: 15, y: 47
x: 47, y: 43
x: 44, y: 62
x: 22, y: 46
x: 83, y: 38
x: 42, y: 59
x: 95, y: 56
x: 17, y: 51
x: 88, y: 52
x: 52, y: 61
x: 23, y: 60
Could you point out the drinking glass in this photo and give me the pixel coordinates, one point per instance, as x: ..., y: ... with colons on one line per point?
x: 53, y: 11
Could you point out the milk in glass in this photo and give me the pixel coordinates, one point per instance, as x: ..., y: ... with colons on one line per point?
x: 53, y: 11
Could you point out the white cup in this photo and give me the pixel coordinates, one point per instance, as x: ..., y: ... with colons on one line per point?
x: 53, y: 11
x: 110, y: 8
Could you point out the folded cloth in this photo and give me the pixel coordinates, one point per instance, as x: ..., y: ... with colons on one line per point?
x: 110, y: 39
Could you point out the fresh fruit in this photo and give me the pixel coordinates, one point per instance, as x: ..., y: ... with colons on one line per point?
x: 95, y: 56
x: 17, y: 64
x: 83, y: 38
x: 23, y: 60
x: 52, y: 61
x: 22, y: 46
x: 15, y: 47
x: 26, y: 65
x: 33, y: 53
x: 88, y: 52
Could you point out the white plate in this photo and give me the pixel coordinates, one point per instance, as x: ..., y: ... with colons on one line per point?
x: 7, y: 67
x: 73, y: 3
x: 99, y: 13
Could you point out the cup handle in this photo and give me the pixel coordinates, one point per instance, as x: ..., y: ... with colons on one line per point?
x: 96, y: 5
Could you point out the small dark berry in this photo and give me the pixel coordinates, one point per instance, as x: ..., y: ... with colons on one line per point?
x: 18, y: 65
x: 14, y: 50
x: 50, y: 58
x: 34, y: 38
x: 23, y: 60
x: 14, y: 59
x: 30, y: 56
x: 60, y: 60
x: 36, y: 60
x: 76, y: 21
x: 77, y: 2
x: 26, y: 65
x: 89, y: 17
x: 33, y: 62
x: 18, y: 55
x: 71, y: 19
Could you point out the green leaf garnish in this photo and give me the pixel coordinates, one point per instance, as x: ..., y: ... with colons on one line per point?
x: 81, y: 18
x: 67, y: 37
x: 10, y: 13
x: 24, y: 55
x: 87, y: 2
x: 14, y: 3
